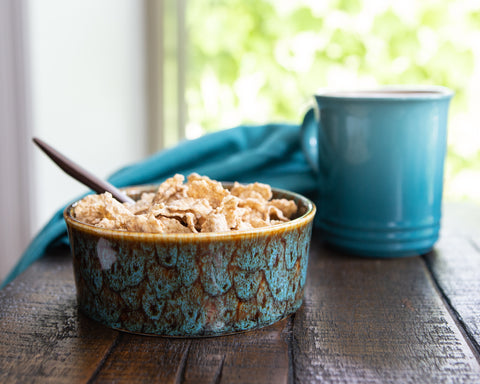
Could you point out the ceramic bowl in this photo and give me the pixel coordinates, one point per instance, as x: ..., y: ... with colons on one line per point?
x: 190, y: 285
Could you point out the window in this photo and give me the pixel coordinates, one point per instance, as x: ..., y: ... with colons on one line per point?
x: 255, y: 61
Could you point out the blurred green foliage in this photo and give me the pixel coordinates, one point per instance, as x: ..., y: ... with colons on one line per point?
x: 252, y: 61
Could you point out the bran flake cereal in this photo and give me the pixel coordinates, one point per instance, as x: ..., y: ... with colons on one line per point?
x: 198, y: 205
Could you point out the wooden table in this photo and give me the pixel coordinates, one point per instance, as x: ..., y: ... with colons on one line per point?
x: 411, y: 320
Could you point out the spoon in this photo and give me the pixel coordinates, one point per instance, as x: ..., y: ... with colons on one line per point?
x: 80, y: 174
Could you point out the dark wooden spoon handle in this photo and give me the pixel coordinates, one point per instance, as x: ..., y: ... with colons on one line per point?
x: 80, y: 174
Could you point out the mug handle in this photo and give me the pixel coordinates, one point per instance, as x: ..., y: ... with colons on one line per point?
x: 309, y: 139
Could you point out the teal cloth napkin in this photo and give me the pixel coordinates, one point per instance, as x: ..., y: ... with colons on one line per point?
x: 268, y: 153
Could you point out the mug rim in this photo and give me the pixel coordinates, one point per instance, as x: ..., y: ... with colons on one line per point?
x: 392, y: 92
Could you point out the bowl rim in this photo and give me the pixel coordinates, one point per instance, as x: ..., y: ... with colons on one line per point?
x: 281, y: 227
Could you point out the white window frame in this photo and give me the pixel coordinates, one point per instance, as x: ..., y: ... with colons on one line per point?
x: 167, y: 40
x: 15, y: 171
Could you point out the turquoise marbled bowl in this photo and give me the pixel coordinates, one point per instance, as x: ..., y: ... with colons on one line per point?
x: 190, y: 285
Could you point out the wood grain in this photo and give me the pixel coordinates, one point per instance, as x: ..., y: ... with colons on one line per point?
x: 376, y: 321
x: 43, y: 337
x: 455, y: 265
x: 412, y: 320
x: 253, y: 357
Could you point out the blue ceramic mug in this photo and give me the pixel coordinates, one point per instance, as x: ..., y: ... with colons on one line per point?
x: 378, y: 156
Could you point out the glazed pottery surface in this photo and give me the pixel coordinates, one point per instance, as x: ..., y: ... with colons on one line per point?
x: 379, y: 159
x: 190, y: 285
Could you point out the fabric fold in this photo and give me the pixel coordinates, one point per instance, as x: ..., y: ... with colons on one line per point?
x: 268, y: 153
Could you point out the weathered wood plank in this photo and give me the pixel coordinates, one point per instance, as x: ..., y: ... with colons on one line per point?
x: 43, y: 337
x: 260, y: 356
x: 376, y: 321
x: 455, y: 265
x: 254, y: 357
x: 47, y: 339
x: 144, y: 359
x: 363, y: 320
